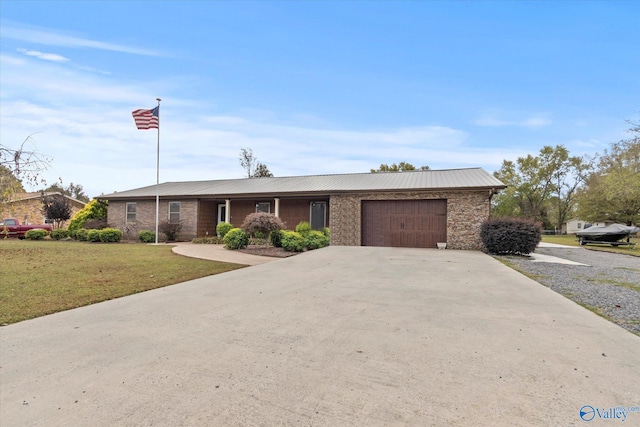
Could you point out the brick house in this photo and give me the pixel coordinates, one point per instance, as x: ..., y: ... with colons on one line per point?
x: 401, y: 209
x: 27, y: 207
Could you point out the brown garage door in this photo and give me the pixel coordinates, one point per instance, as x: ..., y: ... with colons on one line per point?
x: 404, y: 223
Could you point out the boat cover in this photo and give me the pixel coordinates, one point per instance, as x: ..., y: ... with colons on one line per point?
x: 609, y: 230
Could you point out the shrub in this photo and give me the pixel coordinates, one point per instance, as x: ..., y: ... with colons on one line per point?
x: 80, y: 234
x: 315, y: 240
x: 35, y: 234
x: 208, y: 240
x: 510, y: 236
x: 96, y: 224
x: 276, y: 238
x: 326, y: 232
x: 95, y: 209
x: 147, y: 236
x: 292, y: 241
x: 59, y: 234
x: 236, y: 238
x: 260, y: 224
x: 171, y: 229
x: 223, y: 228
x: 93, y: 235
x: 303, y: 228
x: 110, y: 235
x: 258, y: 241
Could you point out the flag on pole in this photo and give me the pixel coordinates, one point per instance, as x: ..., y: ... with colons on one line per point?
x: 147, y: 119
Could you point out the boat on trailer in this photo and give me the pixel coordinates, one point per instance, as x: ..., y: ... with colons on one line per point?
x: 611, y: 234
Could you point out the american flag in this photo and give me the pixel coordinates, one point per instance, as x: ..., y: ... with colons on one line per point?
x: 147, y: 119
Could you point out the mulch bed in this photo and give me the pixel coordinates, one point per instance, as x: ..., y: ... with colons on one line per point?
x: 267, y: 251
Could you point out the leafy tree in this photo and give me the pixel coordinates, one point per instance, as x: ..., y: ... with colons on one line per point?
x: 262, y: 171
x: 400, y: 167
x: 71, y: 190
x: 252, y: 166
x: 95, y: 209
x: 56, y: 208
x: 612, y: 192
x: 540, y: 185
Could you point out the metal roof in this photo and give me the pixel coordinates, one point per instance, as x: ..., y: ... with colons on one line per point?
x: 471, y: 178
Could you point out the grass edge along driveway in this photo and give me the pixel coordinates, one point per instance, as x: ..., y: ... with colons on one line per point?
x: 44, y: 277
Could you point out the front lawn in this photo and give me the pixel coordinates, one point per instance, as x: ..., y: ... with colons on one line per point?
x: 43, y: 277
x: 570, y: 240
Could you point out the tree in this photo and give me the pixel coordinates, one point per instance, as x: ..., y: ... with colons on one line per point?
x: 400, y: 167
x: 94, y: 210
x: 612, y: 192
x: 252, y: 166
x: 262, y: 171
x: 71, y: 190
x: 539, y: 185
x: 56, y: 207
x: 17, y: 167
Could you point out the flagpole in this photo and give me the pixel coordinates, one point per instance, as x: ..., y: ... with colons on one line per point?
x: 158, y: 173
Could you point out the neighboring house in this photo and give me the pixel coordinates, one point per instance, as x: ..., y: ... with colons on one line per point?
x: 575, y: 225
x: 402, y: 209
x: 27, y: 207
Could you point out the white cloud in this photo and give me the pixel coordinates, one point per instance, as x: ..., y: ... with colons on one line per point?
x: 45, y: 56
x: 532, y: 122
x: 51, y: 37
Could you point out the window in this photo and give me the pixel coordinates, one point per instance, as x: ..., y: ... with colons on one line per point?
x: 174, y: 211
x: 579, y: 226
x: 131, y: 212
x: 263, y: 207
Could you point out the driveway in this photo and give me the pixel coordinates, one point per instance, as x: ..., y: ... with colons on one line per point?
x: 336, y: 336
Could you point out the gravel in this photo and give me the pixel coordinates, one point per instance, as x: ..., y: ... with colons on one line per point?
x: 610, y: 285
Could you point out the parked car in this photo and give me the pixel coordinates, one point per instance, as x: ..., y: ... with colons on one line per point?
x: 11, y: 227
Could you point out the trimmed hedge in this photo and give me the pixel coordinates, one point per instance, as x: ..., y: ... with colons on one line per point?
x: 292, y: 241
x: 36, y: 234
x: 315, y: 239
x: 93, y: 235
x: 506, y: 236
x: 59, y: 234
x: 236, y: 238
x: 146, y: 236
x: 276, y: 238
x: 222, y: 229
x: 80, y: 234
x: 110, y: 235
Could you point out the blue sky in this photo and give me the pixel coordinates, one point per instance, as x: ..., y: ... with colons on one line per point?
x: 311, y: 87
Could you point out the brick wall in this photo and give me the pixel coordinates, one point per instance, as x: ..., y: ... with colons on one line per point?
x: 466, y: 210
x: 30, y: 211
x: 146, y: 217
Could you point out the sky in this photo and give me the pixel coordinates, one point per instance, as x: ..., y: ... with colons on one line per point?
x: 312, y: 87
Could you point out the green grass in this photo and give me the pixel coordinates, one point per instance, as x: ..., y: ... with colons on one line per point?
x: 43, y: 277
x: 570, y: 240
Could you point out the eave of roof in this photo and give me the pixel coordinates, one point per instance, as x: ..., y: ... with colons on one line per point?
x: 429, y: 180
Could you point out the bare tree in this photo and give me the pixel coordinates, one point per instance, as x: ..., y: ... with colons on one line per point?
x: 252, y: 166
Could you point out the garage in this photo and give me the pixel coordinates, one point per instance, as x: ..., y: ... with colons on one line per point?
x: 404, y: 223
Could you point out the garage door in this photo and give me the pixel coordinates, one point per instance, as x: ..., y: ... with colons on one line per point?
x: 404, y: 223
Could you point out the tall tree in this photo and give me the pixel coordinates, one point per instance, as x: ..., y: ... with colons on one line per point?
x: 399, y: 167
x: 252, y: 166
x: 612, y: 192
x: 541, y: 184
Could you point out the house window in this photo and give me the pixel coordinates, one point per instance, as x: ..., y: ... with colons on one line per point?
x: 131, y: 212
x: 174, y: 211
x: 263, y: 207
x: 579, y: 225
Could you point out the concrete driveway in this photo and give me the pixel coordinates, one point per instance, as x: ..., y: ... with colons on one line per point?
x: 337, y: 336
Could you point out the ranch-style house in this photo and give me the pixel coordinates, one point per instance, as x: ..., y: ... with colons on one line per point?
x: 400, y: 209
